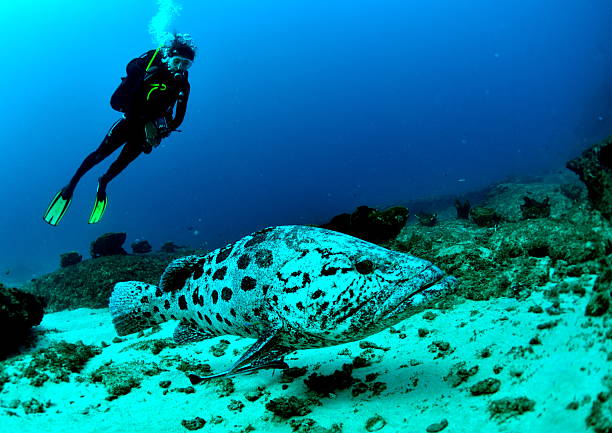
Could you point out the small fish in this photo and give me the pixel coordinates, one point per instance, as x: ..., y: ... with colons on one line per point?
x: 289, y: 287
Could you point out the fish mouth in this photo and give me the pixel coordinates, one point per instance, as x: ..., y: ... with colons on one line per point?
x: 441, y: 285
x: 427, y: 286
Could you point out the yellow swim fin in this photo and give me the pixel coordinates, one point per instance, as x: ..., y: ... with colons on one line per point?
x: 99, y: 207
x: 56, y: 210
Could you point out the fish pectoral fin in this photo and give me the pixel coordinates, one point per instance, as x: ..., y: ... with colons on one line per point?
x: 185, y: 333
x: 250, y: 368
x: 264, y: 344
x: 265, y: 353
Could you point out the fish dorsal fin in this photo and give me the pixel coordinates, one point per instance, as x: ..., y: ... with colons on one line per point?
x: 178, y: 271
x: 186, y: 333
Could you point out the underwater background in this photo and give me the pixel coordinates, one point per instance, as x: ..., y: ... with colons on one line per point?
x: 460, y: 152
x: 298, y: 111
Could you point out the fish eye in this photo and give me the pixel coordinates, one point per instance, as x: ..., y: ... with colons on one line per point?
x: 364, y: 267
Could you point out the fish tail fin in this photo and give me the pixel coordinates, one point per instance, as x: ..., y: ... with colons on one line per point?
x: 131, y: 307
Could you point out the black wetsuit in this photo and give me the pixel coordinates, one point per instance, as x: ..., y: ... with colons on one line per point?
x: 154, y: 93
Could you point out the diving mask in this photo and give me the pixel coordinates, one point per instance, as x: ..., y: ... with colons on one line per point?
x: 178, y: 63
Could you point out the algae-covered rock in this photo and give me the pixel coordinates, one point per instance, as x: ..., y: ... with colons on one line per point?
x: 70, y: 258
x: 594, y: 167
x: 120, y: 378
x: 19, y: 312
x: 288, y: 407
x: 543, y: 199
x: 370, y: 224
x: 570, y: 240
x: 485, y: 216
x: 598, y: 304
x: 532, y: 208
x: 109, y: 244
x: 141, y: 247
x: 508, y: 407
x: 487, y: 386
x: 328, y: 384
x: 193, y: 424
x: 600, y: 417
x: 58, y: 361
x: 89, y: 284
x: 308, y: 425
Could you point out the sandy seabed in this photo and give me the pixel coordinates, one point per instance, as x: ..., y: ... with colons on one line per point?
x: 560, y: 366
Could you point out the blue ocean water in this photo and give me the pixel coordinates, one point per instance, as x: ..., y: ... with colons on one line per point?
x: 298, y: 111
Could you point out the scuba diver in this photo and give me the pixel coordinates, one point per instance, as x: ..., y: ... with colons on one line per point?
x: 156, y: 85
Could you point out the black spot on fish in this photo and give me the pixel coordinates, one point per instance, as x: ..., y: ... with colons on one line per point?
x: 158, y: 292
x: 226, y: 294
x: 295, y: 273
x: 257, y: 312
x: 182, y: 302
x: 194, y: 297
x: 167, y: 304
x: 208, y: 271
x: 275, y: 299
x: 248, y: 283
x: 365, y: 267
x: 317, y: 294
x: 227, y: 322
x: 147, y: 314
x: 201, y: 300
x: 215, y: 296
x: 207, y: 319
x: 224, y: 253
x: 199, y: 271
x: 156, y: 309
x: 291, y: 289
x: 243, y: 261
x: 220, y: 273
x: 161, y: 316
x: 144, y: 300
x: 305, y: 279
x: 300, y: 306
x: 257, y: 238
x: 219, y: 318
x: 200, y: 316
x: 172, y: 316
x: 233, y: 312
x: 286, y: 308
x: 323, y: 306
x: 264, y: 258
x: 265, y: 289
x: 280, y: 277
x: 329, y: 271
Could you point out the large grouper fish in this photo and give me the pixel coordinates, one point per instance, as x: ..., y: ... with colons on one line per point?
x: 289, y: 287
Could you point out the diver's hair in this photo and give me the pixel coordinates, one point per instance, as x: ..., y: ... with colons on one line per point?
x: 178, y: 42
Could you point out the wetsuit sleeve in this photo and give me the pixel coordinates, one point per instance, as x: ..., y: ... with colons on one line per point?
x: 181, y: 106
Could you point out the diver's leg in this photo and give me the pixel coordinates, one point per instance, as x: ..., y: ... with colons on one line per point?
x: 131, y: 150
x: 116, y: 136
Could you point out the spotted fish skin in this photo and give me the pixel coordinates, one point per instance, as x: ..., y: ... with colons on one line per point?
x: 290, y: 287
x: 314, y: 287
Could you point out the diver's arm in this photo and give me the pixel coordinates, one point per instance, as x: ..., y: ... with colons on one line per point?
x: 181, y: 108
